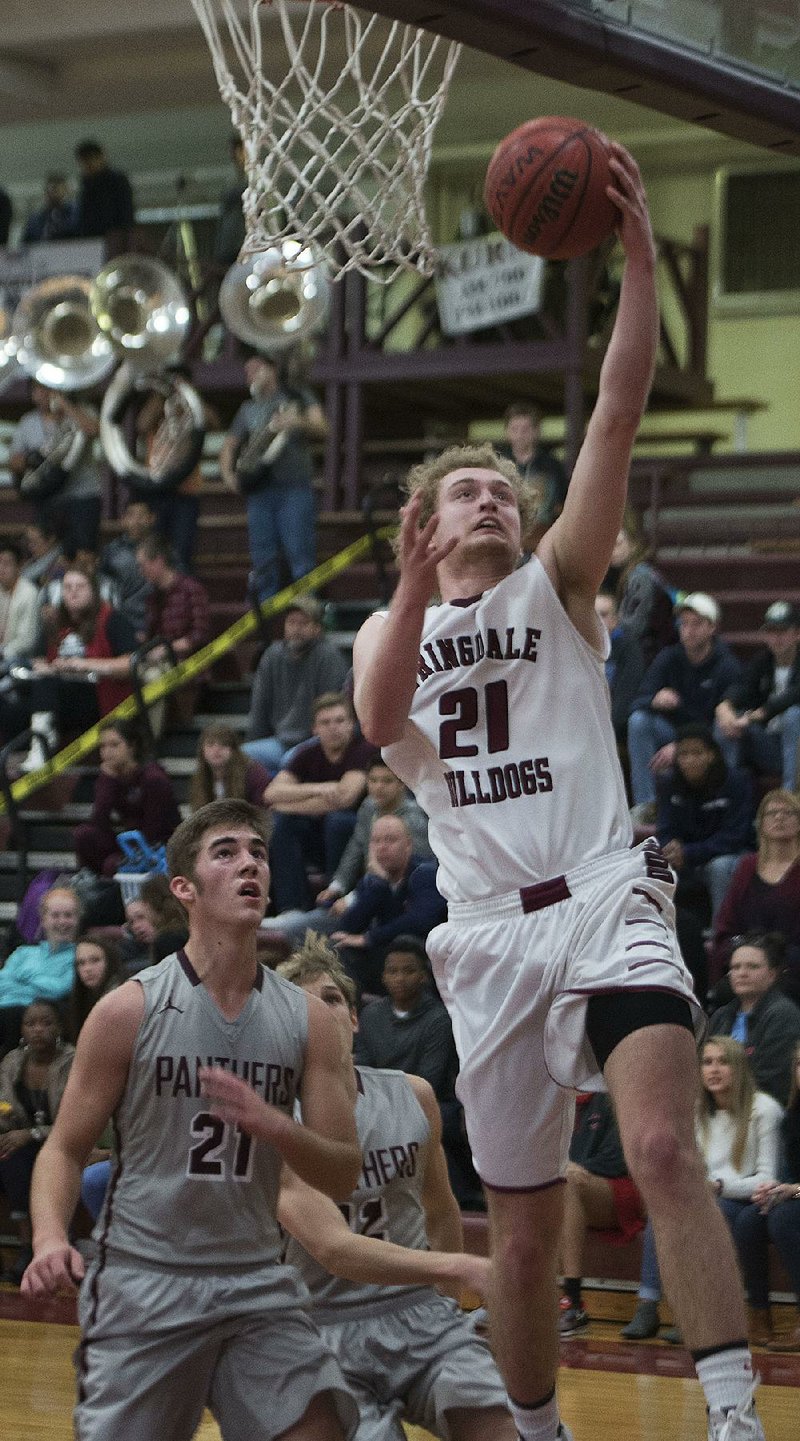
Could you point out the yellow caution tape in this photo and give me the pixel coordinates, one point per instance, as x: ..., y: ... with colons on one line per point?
x: 193, y: 666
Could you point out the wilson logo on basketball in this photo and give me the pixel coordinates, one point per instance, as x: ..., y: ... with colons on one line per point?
x: 558, y: 193
x: 507, y: 183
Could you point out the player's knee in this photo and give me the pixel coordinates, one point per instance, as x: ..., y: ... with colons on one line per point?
x: 658, y: 1157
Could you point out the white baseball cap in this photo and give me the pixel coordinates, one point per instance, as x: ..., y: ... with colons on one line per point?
x: 701, y: 604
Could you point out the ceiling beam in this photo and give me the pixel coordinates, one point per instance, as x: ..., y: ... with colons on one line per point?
x: 584, y: 49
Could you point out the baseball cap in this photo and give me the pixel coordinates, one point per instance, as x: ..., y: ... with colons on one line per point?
x: 309, y: 605
x: 780, y: 615
x: 701, y: 604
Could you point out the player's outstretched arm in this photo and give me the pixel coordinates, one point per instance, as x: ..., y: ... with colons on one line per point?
x: 324, y: 1150
x: 94, y: 1089
x: 577, y: 549
x: 320, y: 1227
x: 386, y: 650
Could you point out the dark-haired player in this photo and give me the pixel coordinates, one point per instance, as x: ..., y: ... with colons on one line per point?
x: 558, y: 963
x: 188, y: 1303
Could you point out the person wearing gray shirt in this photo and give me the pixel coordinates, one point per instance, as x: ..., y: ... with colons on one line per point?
x: 200, y: 1060
x: 290, y: 675
x: 279, y: 493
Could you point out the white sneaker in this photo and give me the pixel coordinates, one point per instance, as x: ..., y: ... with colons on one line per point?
x: 736, y: 1423
x: 36, y: 757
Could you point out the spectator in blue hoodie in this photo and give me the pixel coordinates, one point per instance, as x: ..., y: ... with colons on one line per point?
x: 683, y: 685
x: 705, y: 819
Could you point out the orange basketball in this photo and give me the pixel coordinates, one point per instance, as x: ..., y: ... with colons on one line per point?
x: 546, y: 188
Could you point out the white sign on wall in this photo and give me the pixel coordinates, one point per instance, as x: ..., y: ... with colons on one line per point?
x: 20, y: 269
x: 485, y: 282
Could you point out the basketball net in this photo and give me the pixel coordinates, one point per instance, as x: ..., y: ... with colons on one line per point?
x: 337, y: 148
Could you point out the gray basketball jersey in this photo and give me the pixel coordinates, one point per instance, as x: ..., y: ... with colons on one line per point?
x: 393, y: 1133
x: 509, y: 747
x: 186, y: 1188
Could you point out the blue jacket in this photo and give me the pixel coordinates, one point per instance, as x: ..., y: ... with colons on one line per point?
x: 37, y: 971
x: 712, y: 820
x: 701, y: 687
x: 383, y: 911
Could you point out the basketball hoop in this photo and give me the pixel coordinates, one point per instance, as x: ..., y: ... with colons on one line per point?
x: 337, y: 145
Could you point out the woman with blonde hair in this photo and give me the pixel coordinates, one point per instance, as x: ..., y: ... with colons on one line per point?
x: 738, y: 1130
x: 223, y: 770
x: 764, y: 893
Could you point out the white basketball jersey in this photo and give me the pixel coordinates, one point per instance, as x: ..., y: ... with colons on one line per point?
x: 509, y: 746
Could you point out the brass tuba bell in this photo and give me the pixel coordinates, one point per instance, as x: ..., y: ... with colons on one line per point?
x: 57, y: 339
x: 276, y: 299
x: 140, y: 306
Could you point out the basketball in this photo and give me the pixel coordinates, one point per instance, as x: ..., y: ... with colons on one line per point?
x: 546, y: 188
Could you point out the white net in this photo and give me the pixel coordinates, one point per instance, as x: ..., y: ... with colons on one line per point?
x: 337, y: 111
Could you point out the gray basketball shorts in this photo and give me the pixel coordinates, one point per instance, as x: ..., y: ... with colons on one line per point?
x: 516, y: 971
x: 257, y: 1370
x: 414, y: 1363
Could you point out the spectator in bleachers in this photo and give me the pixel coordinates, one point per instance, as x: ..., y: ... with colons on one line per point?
x: 314, y: 798
x: 397, y: 895
x: 43, y: 968
x: 57, y: 218
x: 177, y: 604
x: 19, y: 605
x: 644, y: 602
x: 105, y: 199
x: 774, y: 1215
x: 6, y: 216
x: 46, y: 560
x: 625, y: 665
x: 409, y: 1030
x: 760, y: 1016
x: 704, y: 821
x: 177, y: 508
x: 132, y: 793
x: 281, y: 509
x: 386, y: 796
x: 764, y: 893
x: 151, y: 914
x: 761, y: 711
x: 535, y: 462
x: 117, y: 563
x: 85, y: 669
x: 32, y: 1081
x: 224, y: 770
x: 599, y: 1196
x: 290, y: 675
x: 74, y: 511
x: 98, y: 970
x: 683, y: 684
x: 738, y: 1130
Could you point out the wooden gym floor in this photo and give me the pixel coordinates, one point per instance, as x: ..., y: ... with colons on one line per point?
x: 610, y: 1390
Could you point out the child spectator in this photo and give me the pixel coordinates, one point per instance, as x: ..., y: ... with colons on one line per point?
x: 98, y: 970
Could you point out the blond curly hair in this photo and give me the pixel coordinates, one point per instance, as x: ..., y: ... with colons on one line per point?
x: 424, y: 479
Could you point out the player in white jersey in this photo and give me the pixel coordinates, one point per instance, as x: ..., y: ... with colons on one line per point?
x: 188, y: 1303
x: 407, y: 1351
x: 558, y: 961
